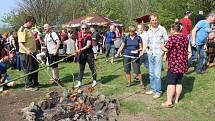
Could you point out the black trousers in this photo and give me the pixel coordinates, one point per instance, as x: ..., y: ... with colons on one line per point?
x: 90, y: 60
x: 30, y: 64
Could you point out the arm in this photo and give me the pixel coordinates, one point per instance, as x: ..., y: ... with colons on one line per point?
x: 195, y: 29
x: 120, y: 49
x: 21, y: 45
x: 145, y: 45
x: 57, y: 46
x: 103, y: 42
x: 85, y: 47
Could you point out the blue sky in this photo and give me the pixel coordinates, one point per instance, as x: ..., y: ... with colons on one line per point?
x: 6, y: 6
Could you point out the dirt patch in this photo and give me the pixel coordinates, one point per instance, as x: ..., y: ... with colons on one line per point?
x: 12, y: 103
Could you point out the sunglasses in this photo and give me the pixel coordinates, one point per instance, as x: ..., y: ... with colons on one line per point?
x: 83, y: 28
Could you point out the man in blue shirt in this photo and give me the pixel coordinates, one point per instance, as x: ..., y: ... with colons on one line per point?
x: 199, y: 36
x: 109, y: 43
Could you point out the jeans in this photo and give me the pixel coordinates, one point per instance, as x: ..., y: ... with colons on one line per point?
x: 29, y: 65
x: 198, y: 51
x: 110, y: 49
x: 91, y: 63
x: 18, y: 62
x: 155, y: 65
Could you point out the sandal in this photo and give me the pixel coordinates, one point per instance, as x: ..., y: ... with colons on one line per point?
x: 165, y: 105
x: 128, y: 85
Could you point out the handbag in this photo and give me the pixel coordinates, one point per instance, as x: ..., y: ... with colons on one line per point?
x: 82, y: 57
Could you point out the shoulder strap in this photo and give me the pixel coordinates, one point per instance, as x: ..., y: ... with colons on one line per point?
x: 23, y: 28
x: 52, y: 38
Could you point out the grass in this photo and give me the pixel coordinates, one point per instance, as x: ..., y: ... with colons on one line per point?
x: 197, y: 103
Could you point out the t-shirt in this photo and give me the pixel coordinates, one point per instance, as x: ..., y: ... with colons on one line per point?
x: 177, y: 55
x: 82, y: 42
x: 203, y: 31
x: 94, y: 38
x: 109, y: 36
x: 51, y: 43
x: 69, y: 45
x: 131, y: 46
x: 26, y: 37
x: 143, y: 36
x: 187, y: 26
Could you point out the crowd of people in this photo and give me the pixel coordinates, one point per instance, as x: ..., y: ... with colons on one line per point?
x: 184, y: 46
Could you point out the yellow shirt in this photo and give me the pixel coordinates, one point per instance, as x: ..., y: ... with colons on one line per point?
x: 26, y: 36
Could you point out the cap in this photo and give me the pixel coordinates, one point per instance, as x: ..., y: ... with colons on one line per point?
x: 188, y: 12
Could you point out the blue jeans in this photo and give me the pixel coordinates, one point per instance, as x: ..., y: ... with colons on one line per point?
x: 198, y: 51
x: 18, y: 62
x: 202, y: 57
x: 155, y: 65
x: 110, y: 49
x: 193, y: 57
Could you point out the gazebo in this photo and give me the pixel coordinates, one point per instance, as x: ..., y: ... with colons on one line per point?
x: 92, y: 20
x: 142, y: 20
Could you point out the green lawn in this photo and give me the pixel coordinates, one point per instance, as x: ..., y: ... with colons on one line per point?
x: 197, y: 103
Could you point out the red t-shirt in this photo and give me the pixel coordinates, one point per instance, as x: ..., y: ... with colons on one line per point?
x: 177, y: 55
x: 187, y: 26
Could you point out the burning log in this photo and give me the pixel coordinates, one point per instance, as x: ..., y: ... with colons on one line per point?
x: 74, y: 106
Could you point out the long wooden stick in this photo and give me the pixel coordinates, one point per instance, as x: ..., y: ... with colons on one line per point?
x: 42, y: 68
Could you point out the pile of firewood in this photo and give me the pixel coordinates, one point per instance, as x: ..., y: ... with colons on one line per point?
x: 73, y: 106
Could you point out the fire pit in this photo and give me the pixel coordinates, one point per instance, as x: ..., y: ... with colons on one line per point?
x: 73, y: 106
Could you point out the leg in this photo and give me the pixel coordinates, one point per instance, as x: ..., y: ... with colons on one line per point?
x: 81, y: 71
x: 90, y: 61
x: 107, y: 50
x: 26, y: 68
x: 170, y: 93
x: 151, y: 71
x: 193, y: 57
x: 128, y: 77
x: 127, y: 69
x: 136, y: 68
x: 202, y: 58
x: 178, y: 92
x: 157, y: 73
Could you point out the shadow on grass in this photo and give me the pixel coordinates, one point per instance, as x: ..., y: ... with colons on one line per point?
x: 106, y: 79
x: 187, y: 84
x: 69, y: 78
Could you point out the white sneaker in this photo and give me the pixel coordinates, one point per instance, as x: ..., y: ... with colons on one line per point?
x: 149, y: 92
x: 156, y: 96
x: 94, y: 83
x: 78, y: 84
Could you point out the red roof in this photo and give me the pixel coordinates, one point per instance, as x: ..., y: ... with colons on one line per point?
x: 91, y: 19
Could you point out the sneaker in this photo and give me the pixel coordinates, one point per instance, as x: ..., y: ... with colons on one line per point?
x: 94, y: 83
x: 156, y: 96
x: 149, y: 92
x: 31, y: 88
x: 78, y: 84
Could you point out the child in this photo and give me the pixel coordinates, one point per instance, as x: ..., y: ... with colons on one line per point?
x: 177, y: 56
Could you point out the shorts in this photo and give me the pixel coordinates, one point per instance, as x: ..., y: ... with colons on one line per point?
x: 174, y: 79
x: 52, y: 59
x: 127, y: 65
x: 95, y: 49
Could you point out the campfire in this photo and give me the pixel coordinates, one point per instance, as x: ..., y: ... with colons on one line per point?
x: 73, y: 106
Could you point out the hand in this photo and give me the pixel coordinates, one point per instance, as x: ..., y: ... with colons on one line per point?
x: 103, y: 46
x: 28, y: 52
x: 55, y: 52
x: 193, y: 44
x: 141, y: 54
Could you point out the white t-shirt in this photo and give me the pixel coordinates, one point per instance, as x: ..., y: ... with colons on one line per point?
x: 51, y: 43
x: 143, y: 35
x: 69, y: 45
